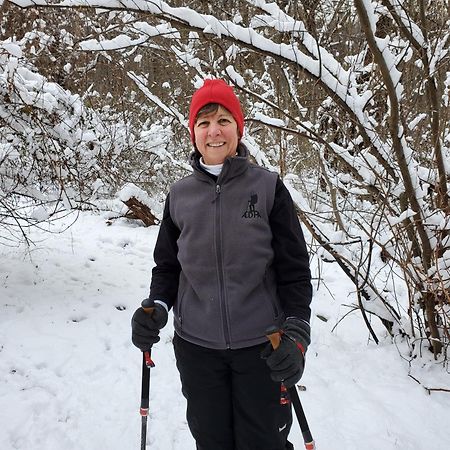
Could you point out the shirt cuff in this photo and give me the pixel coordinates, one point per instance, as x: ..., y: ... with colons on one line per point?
x: 160, y: 302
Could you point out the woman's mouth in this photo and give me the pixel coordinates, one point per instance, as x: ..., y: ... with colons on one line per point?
x: 215, y: 144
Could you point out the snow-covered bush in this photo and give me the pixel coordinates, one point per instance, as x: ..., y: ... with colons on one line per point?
x: 53, y: 150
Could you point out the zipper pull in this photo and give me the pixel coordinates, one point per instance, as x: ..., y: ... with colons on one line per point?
x: 217, y: 193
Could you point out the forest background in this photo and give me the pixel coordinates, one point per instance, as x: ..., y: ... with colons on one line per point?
x: 347, y: 100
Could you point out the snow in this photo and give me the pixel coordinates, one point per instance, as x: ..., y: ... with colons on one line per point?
x: 124, y: 41
x: 413, y: 124
x: 11, y: 48
x: 407, y: 214
x: 269, y: 120
x: 237, y: 79
x: 71, y: 377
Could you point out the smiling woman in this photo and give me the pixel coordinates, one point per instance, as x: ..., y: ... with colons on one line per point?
x: 216, y: 134
x: 231, y: 260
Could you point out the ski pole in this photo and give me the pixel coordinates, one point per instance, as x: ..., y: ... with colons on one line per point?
x: 274, y: 336
x: 147, y: 363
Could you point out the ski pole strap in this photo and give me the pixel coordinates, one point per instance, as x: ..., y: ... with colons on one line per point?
x: 300, y: 347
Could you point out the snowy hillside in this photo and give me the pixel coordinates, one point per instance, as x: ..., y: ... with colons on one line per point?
x: 71, y: 377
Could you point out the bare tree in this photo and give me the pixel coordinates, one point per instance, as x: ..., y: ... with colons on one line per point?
x: 355, y: 95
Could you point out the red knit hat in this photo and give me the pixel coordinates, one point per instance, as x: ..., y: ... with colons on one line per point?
x: 215, y: 91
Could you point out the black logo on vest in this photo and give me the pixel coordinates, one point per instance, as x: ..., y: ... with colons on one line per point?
x: 252, y: 212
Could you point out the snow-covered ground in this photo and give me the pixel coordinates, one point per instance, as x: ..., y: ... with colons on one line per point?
x: 70, y: 377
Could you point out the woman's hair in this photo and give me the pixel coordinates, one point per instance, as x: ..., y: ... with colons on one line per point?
x: 207, y: 109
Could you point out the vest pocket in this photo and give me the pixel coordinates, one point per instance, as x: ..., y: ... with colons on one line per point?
x: 178, y: 307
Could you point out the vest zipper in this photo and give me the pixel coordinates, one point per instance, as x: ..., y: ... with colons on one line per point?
x: 216, y: 197
x: 219, y: 255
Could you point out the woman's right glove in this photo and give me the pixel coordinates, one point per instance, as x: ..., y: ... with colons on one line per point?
x: 287, y: 362
x: 145, y: 326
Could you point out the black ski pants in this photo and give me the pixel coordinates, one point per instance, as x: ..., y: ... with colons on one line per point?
x: 232, y: 403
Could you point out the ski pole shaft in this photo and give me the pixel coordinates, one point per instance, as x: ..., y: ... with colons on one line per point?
x: 145, y: 389
x: 274, y: 337
x: 298, y: 408
x: 147, y: 363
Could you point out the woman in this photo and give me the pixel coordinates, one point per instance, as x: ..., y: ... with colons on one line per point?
x: 231, y: 260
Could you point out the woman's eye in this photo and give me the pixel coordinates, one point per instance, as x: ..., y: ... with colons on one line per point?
x: 202, y: 124
x: 224, y: 121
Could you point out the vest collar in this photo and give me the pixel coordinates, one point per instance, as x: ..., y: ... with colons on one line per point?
x: 232, y: 166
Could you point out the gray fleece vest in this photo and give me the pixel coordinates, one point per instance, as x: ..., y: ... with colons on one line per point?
x: 227, y: 295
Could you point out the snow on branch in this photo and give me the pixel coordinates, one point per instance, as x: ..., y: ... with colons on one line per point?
x: 372, y: 300
x: 209, y: 24
x: 51, y: 145
x: 284, y: 23
x: 141, y: 84
x: 397, y: 8
x: 122, y: 41
x: 319, y: 63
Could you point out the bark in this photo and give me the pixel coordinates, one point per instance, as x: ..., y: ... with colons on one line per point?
x: 138, y: 210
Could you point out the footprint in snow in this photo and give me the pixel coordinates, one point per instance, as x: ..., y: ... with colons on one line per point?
x: 77, y: 319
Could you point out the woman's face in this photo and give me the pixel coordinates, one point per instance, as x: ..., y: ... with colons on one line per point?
x: 216, y: 136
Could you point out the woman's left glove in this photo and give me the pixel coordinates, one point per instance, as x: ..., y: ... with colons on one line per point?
x: 287, y: 362
x: 145, y: 327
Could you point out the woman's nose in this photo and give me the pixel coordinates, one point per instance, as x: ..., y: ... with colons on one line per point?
x: 214, y: 129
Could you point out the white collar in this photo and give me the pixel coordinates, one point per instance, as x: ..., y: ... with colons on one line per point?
x: 214, y: 169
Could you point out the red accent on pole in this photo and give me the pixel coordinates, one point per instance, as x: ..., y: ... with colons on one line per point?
x: 310, y: 445
x: 144, y: 411
x: 284, y: 398
x: 148, y: 361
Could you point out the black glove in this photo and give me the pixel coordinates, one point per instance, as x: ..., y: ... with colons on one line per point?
x: 145, y: 327
x: 287, y: 362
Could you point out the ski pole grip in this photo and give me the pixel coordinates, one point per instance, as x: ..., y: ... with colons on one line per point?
x: 148, y: 306
x: 274, y: 336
